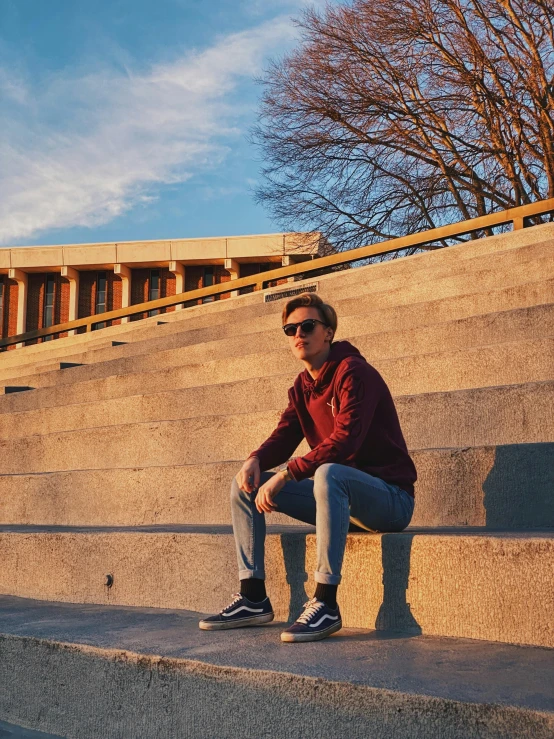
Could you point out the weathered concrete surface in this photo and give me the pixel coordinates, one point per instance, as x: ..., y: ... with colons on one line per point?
x: 386, y: 291
x: 464, y: 583
x: 507, y: 363
x: 511, y: 325
x: 506, y: 414
x: 175, y: 334
x: 222, y: 437
x: 90, y: 671
x: 507, y: 487
x: 537, y: 237
x: 408, y: 292
x: 492, y: 327
x: 395, y: 317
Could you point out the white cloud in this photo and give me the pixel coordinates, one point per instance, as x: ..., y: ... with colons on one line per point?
x: 85, y: 149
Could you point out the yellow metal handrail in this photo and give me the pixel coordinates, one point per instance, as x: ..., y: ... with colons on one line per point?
x: 517, y: 216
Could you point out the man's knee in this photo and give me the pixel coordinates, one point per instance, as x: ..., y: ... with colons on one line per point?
x: 325, y: 479
x: 235, y: 492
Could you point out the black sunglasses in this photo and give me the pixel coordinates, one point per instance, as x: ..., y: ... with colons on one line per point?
x: 307, y: 326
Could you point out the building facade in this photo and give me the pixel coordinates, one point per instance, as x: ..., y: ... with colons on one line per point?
x: 41, y: 286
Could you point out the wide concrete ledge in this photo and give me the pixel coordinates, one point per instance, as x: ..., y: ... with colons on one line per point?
x: 506, y: 363
x: 410, y: 290
x: 472, y: 279
x: 505, y: 266
x: 509, y: 414
x: 511, y: 325
x: 199, y: 439
x: 93, y: 671
x: 150, y: 338
x: 499, y: 244
x: 507, y: 487
x: 495, y: 586
x: 379, y: 320
x: 398, y: 273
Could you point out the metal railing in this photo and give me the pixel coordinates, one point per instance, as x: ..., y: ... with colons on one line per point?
x: 518, y: 216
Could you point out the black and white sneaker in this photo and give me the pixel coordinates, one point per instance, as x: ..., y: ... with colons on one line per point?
x: 316, y: 622
x: 239, y: 612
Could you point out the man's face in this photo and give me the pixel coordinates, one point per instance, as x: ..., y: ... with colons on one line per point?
x: 307, y: 346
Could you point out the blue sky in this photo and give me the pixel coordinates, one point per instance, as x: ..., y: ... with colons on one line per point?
x: 128, y: 119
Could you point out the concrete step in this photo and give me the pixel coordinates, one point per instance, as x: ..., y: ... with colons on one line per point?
x: 447, y: 582
x: 90, y: 671
x: 512, y: 325
x: 378, y: 319
x: 384, y: 275
x: 170, y: 341
x: 506, y: 486
x: 472, y: 282
x: 506, y: 363
x: 493, y: 415
x: 406, y: 316
x: 505, y: 264
x: 203, y: 315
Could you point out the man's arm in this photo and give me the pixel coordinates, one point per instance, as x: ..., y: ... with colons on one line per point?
x: 283, y: 441
x: 359, y: 392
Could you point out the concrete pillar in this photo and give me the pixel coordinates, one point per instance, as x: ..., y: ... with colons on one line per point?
x: 125, y: 274
x: 233, y: 267
x: 21, y: 279
x: 73, y: 276
x: 178, y: 269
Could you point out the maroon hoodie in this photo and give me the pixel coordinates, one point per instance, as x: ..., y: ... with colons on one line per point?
x: 348, y: 416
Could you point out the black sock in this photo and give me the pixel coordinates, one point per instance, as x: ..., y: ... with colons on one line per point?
x: 327, y: 594
x: 254, y: 589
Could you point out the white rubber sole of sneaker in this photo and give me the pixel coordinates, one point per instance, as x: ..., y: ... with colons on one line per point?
x: 221, y: 625
x: 288, y: 636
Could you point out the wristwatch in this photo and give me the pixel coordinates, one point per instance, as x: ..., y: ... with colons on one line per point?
x: 286, y: 474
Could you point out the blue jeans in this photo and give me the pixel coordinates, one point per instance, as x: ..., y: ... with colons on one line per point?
x: 338, y: 498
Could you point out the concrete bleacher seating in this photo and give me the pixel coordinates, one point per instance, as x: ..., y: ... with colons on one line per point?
x: 121, y: 466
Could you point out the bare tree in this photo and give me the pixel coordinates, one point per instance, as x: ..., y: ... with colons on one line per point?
x: 396, y: 116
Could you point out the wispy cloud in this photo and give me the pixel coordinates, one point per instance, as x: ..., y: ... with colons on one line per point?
x: 84, y: 149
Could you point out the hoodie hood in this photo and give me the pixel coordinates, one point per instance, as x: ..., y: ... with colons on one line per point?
x: 339, y: 350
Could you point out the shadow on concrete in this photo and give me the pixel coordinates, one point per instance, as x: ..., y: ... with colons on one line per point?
x: 518, y: 489
x: 394, y: 613
x: 294, y: 555
x: 394, y: 618
x: 517, y: 494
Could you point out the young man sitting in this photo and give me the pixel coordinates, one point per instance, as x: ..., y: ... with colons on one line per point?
x: 362, y: 472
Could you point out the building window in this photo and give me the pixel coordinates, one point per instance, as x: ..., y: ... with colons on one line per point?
x: 48, y: 312
x: 208, y: 281
x: 154, y: 289
x: 101, y: 296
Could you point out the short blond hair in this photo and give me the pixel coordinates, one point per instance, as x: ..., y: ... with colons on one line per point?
x: 310, y: 300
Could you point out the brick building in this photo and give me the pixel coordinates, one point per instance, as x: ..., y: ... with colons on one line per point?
x: 42, y: 286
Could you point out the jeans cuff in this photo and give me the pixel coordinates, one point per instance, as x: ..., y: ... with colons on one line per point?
x: 247, y: 574
x: 326, y: 579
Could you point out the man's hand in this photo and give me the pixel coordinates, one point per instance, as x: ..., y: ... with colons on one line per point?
x: 264, y: 499
x: 248, y: 477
